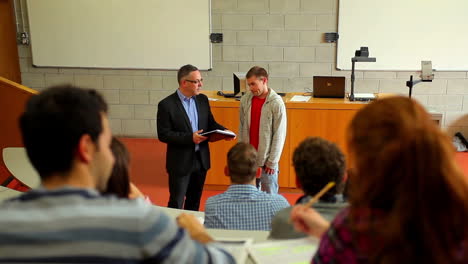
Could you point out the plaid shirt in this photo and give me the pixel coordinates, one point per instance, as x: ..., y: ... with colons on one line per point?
x: 243, y: 207
x: 350, y: 239
x: 341, y: 245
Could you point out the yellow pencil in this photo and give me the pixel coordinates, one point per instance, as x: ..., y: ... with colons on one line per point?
x: 319, y: 194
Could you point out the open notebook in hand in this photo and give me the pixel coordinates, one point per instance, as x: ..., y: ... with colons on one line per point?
x: 217, y: 134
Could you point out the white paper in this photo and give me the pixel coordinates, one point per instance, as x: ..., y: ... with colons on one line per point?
x: 285, y: 251
x: 364, y: 95
x: 300, y: 98
x: 224, y: 132
x: 236, y: 246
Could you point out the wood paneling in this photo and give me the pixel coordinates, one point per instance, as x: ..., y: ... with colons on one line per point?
x: 9, y: 60
x: 330, y: 124
x: 229, y: 118
x: 323, y: 117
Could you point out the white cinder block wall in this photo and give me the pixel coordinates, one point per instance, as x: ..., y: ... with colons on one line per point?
x: 284, y: 36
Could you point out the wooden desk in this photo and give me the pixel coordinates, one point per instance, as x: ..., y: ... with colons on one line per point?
x: 323, y: 117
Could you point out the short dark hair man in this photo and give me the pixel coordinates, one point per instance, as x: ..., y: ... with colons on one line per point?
x: 181, y: 117
x: 242, y: 206
x: 67, y: 137
x: 316, y: 162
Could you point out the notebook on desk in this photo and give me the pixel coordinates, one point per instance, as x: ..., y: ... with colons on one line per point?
x: 329, y: 86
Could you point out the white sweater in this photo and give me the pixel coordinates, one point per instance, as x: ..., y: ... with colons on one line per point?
x: 272, y: 131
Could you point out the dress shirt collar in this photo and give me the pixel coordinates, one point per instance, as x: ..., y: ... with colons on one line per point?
x: 183, y: 97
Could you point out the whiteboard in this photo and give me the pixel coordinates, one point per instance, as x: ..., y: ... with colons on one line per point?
x: 125, y: 34
x: 402, y: 33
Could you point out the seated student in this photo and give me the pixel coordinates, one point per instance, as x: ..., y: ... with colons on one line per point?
x: 242, y: 206
x: 119, y: 182
x: 408, y: 198
x: 316, y: 163
x: 67, y: 138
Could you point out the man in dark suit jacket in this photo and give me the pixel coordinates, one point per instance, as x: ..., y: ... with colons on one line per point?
x: 181, y: 117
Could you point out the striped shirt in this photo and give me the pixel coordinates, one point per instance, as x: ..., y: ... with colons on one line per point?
x: 71, y: 225
x: 243, y: 207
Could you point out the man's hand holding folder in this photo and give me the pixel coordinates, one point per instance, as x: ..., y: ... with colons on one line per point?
x: 217, y: 134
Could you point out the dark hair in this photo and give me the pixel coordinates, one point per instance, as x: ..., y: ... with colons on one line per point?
x: 316, y: 163
x: 405, y: 167
x: 242, y: 163
x: 256, y: 71
x: 53, y: 123
x: 185, y: 71
x: 119, y: 181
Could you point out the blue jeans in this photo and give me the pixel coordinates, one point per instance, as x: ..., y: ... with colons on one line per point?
x: 269, y: 182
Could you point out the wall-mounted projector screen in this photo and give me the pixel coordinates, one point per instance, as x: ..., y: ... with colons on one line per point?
x: 402, y: 33
x: 123, y: 34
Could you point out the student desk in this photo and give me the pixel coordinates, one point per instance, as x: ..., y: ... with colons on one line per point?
x: 257, y: 236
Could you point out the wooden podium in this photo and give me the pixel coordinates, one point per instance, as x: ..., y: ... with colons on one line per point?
x: 324, y: 117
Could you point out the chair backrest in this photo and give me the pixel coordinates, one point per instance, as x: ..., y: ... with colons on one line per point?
x: 17, y: 162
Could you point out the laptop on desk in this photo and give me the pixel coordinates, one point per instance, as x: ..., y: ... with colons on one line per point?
x: 329, y: 86
x: 240, y: 84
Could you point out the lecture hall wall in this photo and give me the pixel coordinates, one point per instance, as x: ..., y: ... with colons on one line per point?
x: 284, y: 36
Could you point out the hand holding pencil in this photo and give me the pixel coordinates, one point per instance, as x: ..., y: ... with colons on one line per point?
x: 307, y: 220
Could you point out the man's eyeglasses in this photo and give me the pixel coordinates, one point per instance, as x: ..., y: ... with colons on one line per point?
x: 195, y: 81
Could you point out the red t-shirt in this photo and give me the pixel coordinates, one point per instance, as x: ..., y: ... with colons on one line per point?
x: 255, y: 113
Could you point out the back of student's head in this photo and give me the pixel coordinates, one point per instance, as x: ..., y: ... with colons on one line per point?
x: 53, y: 123
x: 317, y: 162
x: 241, y: 160
x: 119, y: 181
x: 404, y: 166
